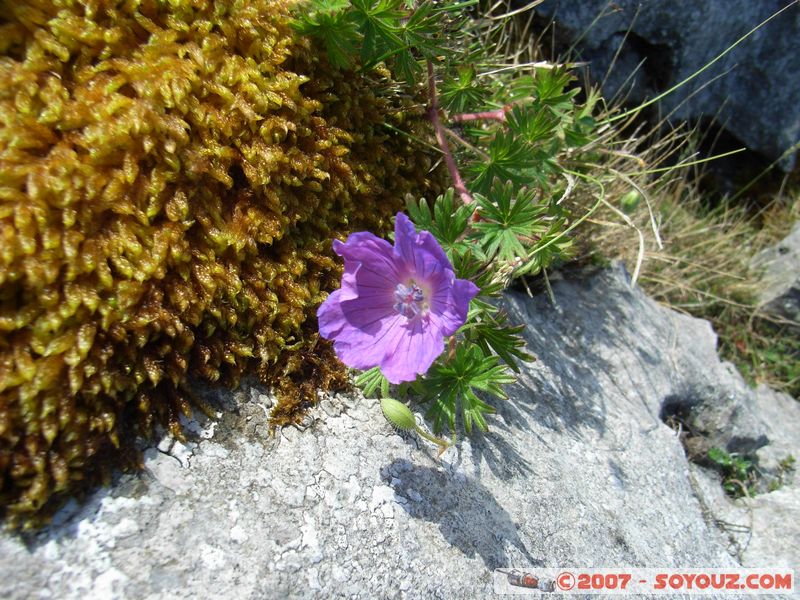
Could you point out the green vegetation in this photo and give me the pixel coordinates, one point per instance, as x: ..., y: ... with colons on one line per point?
x: 739, y: 473
x: 741, y: 476
x: 511, y: 140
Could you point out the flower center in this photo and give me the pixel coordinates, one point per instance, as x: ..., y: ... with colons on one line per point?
x: 409, y: 300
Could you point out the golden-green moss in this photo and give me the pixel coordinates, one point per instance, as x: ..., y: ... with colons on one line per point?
x: 171, y: 175
x: 298, y: 376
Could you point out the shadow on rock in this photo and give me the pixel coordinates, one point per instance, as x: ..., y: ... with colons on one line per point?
x: 65, y: 523
x: 565, y: 389
x: 504, y: 461
x: 468, y: 516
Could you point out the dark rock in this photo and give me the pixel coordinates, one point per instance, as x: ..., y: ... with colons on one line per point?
x: 752, y: 92
x: 779, y: 294
x: 579, y: 469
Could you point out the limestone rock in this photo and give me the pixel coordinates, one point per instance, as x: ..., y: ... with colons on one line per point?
x: 762, y: 531
x: 780, y: 293
x: 579, y: 469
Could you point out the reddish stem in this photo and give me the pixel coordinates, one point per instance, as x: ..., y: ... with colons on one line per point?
x: 433, y: 115
x: 489, y: 115
x: 451, y: 348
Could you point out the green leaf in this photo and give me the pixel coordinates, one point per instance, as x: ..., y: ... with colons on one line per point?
x: 532, y: 123
x: 422, y: 31
x: 442, y: 411
x: 379, y: 23
x: 549, y: 88
x: 328, y: 21
x: 461, y: 93
x: 420, y: 213
x: 508, y: 157
x: 373, y: 381
x: 719, y: 456
x: 447, y: 222
x: 581, y: 133
x: 507, y: 220
x: 330, y: 5
x: 552, y: 245
x: 473, y: 264
x: 520, y: 88
x: 493, y: 334
x: 454, y: 382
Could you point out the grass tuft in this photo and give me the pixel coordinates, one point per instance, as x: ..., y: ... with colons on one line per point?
x: 695, y: 255
x: 687, y: 248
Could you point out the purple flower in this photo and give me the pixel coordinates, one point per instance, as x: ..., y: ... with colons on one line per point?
x: 396, y: 304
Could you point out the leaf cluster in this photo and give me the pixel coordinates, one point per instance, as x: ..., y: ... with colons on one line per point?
x: 739, y: 473
x: 455, y: 382
x: 461, y: 90
x: 516, y: 166
x: 381, y: 31
x: 543, y: 122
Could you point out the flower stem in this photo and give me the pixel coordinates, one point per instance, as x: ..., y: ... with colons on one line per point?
x: 439, y: 130
x: 489, y: 115
x: 443, y: 444
x: 466, y: 144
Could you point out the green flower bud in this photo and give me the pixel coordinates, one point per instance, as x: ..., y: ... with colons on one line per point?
x: 630, y: 201
x: 398, y: 414
x: 401, y: 417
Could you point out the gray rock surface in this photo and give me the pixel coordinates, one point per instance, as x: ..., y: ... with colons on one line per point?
x: 756, y: 99
x: 763, y: 530
x: 578, y: 469
x: 779, y: 295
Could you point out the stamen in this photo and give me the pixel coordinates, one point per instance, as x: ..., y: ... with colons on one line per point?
x: 409, y: 300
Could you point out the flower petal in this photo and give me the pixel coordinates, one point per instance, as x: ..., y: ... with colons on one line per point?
x: 411, y: 347
x: 366, y: 314
x: 361, y: 350
x: 418, y: 251
x: 450, y: 304
x: 330, y: 316
x: 376, y: 257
